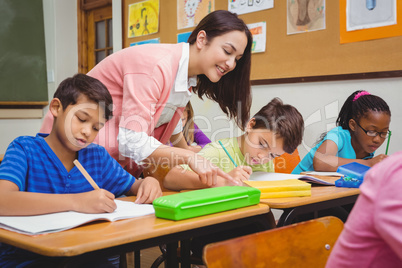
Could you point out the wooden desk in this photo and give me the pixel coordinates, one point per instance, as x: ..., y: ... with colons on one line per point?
x: 106, y: 238
x: 322, y: 197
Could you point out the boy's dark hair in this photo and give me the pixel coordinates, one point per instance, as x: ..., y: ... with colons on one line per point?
x: 357, y: 108
x: 71, y: 88
x: 233, y: 90
x: 283, y: 119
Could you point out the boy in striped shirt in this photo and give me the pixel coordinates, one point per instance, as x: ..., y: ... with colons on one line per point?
x: 37, y: 175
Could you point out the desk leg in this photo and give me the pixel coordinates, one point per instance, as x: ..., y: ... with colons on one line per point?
x: 137, y: 259
x: 185, y: 254
x: 171, y: 255
x: 287, y: 217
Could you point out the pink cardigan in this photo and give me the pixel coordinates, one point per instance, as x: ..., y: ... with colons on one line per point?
x: 372, y: 235
x: 140, y: 79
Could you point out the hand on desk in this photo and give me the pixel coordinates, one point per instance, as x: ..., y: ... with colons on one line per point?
x: 148, y: 191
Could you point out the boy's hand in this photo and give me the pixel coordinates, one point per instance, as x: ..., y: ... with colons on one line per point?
x: 96, y: 201
x: 241, y: 173
x: 148, y: 191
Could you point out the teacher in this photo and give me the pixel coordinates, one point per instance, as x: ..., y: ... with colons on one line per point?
x: 152, y: 83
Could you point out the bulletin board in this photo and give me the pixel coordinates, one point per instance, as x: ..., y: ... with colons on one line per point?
x: 23, y: 74
x: 306, y: 57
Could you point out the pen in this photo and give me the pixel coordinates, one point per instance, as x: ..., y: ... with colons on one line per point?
x: 389, y: 137
x: 85, y: 173
x: 234, y: 163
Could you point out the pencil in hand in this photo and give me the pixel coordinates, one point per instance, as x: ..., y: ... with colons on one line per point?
x: 227, y: 153
x: 85, y: 173
x: 389, y: 138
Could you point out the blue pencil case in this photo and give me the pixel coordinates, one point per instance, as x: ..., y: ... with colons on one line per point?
x: 348, y: 182
x: 353, y: 175
x: 353, y: 170
x: 205, y: 201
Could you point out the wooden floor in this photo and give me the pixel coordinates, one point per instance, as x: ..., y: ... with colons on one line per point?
x: 148, y: 256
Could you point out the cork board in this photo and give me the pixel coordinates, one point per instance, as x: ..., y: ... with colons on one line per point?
x: 317, y: 55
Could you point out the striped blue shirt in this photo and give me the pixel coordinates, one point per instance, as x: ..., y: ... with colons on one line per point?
x: 32, y: 165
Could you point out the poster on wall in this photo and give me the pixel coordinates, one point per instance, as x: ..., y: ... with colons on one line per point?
x: 362, y: 20
x: 258, y: 30
x: 305, y: 16
x: 191, y: 12
x: 143, y: 18
x: 183, y: 37
x: 364, y: 14
x: 247, y: 6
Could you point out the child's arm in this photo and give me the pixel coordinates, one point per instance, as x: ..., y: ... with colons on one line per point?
x: 325, y: 158
x: 146, y: 190
x: 179, y: 141
x: 179, y: 178
x: 16, y: 202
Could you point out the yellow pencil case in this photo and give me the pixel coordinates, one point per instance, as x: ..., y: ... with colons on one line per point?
x: 205, y: 201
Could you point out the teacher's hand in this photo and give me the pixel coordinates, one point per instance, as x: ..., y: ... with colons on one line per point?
x: 208, y: 172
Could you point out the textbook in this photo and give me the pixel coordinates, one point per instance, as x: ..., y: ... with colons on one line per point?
x: 60, y: 221
x: 272, y: 176
x: 281, y: 188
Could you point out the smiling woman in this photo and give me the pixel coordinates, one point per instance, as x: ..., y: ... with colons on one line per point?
x: 154, y: 82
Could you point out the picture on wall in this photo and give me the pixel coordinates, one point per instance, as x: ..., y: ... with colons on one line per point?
x: 305, y: 15
x: 143, y: 18
x: 191, y: 12
x: 247, y: 6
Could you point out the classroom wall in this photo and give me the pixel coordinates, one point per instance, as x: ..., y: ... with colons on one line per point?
x: 311, y: 99
x: 319, y: 103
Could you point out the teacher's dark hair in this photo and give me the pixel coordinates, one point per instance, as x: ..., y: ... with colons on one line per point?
x: 233, y: 90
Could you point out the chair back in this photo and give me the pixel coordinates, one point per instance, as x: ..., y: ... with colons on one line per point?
x: 304, y: 244
x: 287, y: 162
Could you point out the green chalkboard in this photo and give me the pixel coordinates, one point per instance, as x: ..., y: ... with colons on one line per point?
x: 23, y: 75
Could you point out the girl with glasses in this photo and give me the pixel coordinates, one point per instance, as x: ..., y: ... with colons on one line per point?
x: 362, y: 127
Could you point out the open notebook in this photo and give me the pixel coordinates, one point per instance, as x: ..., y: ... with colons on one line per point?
x: 270, y: 176
x: 56, y: 222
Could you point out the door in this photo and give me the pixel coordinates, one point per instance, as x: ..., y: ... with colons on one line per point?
x: 95, y: 41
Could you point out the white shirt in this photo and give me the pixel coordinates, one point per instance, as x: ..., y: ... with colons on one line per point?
x: 138, y: 145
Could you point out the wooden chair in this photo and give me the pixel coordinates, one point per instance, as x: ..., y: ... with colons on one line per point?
x: 305, y: 244
x: 287, y: 162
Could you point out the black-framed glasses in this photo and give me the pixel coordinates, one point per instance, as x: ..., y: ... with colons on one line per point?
x: 372, y: 133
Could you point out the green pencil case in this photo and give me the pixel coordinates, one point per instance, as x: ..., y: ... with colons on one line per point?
x: 205, y: 201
